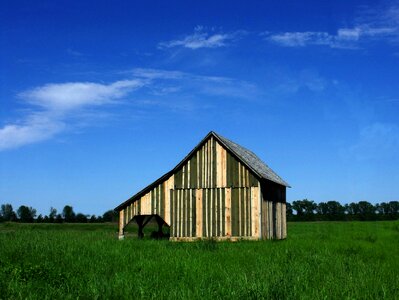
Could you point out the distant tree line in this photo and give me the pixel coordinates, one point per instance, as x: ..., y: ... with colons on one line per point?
x: 300, y: 210
x: 308, y: 210
x: 25, y: 214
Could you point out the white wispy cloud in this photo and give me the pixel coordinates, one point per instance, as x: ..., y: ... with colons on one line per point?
x: 35, y: 128
x: 371, y: 25
x: 300, y: 39
x: 66, y: 96
x: 202, y: 39
x: 52, y: 104
x: 148, y: 73
x: 194, y: 84
x: 55, y: 107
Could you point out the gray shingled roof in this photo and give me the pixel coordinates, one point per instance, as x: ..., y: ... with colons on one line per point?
x: 251, y: 160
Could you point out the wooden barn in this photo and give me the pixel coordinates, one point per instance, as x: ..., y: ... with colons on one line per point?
x: 219, y: 190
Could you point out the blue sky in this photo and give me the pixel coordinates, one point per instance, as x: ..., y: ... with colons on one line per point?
x: 98, y: 99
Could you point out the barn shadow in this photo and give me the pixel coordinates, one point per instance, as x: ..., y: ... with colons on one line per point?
x: 148, y: 226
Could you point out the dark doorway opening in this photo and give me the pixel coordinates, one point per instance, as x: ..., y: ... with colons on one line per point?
x: 152, y: 226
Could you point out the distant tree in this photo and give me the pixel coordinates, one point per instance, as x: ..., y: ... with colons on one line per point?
x: 388, y: 211
x: 110, y: 216
x: 68, y: 214
x: 304, y: 209
x: 352, y: 211
x: 52, y: 215
x: 46, y: 219
x: 59, y: 219
x: 26, y: 214
x: 322, y: 209
x: 93, y: 219
x: 81, y: 218
x: 331, y: 210
x: 289, y: 211
x: 394, y: 209
x: 39, y: 219
x: 366, y: 211
x: 7, y: 212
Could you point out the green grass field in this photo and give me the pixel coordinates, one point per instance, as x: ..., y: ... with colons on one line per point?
x: 328, y: 260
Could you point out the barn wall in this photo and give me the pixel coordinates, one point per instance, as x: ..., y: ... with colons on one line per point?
x: 213, y: 167
x: 273, y: 216
x: 210, y: 170
x: 215, y: 212
x: 215, y: 195
x: 156, y: 201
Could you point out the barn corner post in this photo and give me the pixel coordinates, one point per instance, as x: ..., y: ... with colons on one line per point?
x: 121, y: 231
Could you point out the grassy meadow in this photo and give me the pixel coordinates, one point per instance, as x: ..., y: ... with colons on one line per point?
x: 326, y: 260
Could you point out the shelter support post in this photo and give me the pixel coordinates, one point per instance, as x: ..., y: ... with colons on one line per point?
x: 140, y: 221
x: 160, y: 223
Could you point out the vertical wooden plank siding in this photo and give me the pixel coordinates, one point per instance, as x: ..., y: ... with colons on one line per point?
x: 181, y: 212
x: 205, y: 217
x: 198, y: 199
x: 283, y: 220
x: 272, y: 220
x: 269, y: 219
x: 121, y: 222
x: 278, y: 220
x: 264, y: 220
x: 223, y: 167
x: 212, y: 166
x: 212, y: 211
x: 221, y: 210
x: 212, y: 195
x: 266, y: 226
x: 228, y: 231
x: 193, y: 213
x: 284, y: 217
x: 169, y: 184
x: 199, y: 163
x: 255, y: 211
x: 215, y: 212
x: 260, y: 212
x: 219, y: 166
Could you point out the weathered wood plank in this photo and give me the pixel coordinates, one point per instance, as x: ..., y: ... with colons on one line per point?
x: 193, y: 212
x: 121, y: 223
x: 172, y: 213
x: 235, y: 212
x: 280, y: 222
x: 219, y: 172
x: 211, y: 213
x: 223, y: 211
x: 228, y: 229
x: 183, y: 177
x: 205, y: 208
x: 214, y: 169
x: 199, y: 222
x: 193, y: 173
x: 224, y: 167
